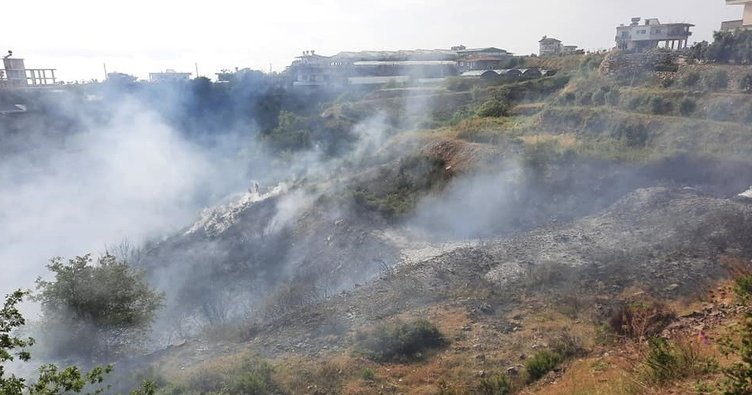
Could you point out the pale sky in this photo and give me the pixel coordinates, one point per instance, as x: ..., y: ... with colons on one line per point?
x: 78, y: 37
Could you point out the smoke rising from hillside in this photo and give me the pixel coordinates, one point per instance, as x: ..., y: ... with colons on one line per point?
x: 129, y: 176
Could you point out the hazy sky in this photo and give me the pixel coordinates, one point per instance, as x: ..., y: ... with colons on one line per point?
x: 78, y: 36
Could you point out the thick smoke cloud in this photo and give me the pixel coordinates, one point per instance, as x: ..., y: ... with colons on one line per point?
x: 124, y: 175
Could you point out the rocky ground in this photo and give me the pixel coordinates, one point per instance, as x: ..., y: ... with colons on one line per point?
x: 666, y: 242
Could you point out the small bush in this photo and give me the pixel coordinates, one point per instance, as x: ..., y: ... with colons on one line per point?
x: 493, y: 108
x: 458, y: 84
x: 717, y: 80
x: 666, y: 361
x: 632, y: 134
x: 398, y: 341
x: 660, y: 106
x: 569, y: 98
x: 613, y: 97
x: 687, y: 107
x: 496, y: 385
x: 634, y: 103
x: 745, y: 84
x: 743, y: 287
x: 586, y: 98
x: 541, y: 363
x: 738, y: 375
x: 639, y: 320
x: 599, y: 98
x: 691, y: 80
x: 667, y: 82
x: 367, y: 374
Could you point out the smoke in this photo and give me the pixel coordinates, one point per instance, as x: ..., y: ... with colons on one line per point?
x: 123, y: 174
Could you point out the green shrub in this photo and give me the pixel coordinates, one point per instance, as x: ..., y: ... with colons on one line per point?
x: 667, y: 82
x: 458, y: 84
x: 691, y: 79
x: 599, y: 98
x: 660, y: 106
x: 367, y: 374
x: 569, y: 98
x: 586, y: 98
x: 613, y: 97
x: 634, y: 103
x: 687, y: 107
x: 252, y: 377
x: 633, y: 134
x: 739, y: 374
x: 495, y: 385
x: 398, y: 341
x: 666, y: 361
x: 743, y: 287
x: 541, y: 363
x: 493, y: 108
x: 717, y: 80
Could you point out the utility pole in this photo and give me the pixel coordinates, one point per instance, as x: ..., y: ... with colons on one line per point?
x: 197, y: 70
x: 105, y: 71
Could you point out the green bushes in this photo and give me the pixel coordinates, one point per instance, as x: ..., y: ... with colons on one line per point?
x: 687, y: 107
x: 660, y: 106
x: 666, y: 361
x: 251, y: 377
x: 717, y: 80
x: 691, y: 79
x: 743, y: 287
x: 632, y: 134
x: 400, y: 341
x: 541, y: 363
x: 496, y: 385
x: 458, y: 84
x: 493, y: 108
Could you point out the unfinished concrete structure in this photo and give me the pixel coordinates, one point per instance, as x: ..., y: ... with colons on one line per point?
x: 652, y: 34
x: 745, y: 22
x: 16, y: 75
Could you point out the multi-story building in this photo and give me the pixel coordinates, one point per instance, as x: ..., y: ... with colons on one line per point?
x: 745, y: 22
x: 550, y: 46
x: 652, y: 34
x: 383, y: 67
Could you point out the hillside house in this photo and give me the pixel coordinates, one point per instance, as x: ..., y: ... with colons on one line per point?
x: 652, y: 34
x: 745, y: 22
x: 550, y: 46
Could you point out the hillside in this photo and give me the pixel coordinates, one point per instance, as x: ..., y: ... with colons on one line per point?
x: 527, y: 236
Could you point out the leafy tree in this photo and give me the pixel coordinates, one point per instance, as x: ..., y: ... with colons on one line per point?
x: 96, y: 310
x: 51, y: 380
